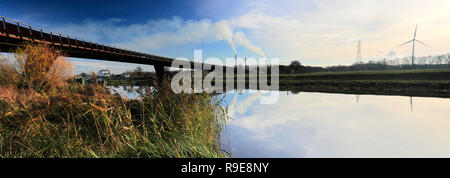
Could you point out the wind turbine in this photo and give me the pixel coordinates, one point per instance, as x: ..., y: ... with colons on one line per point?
x: 414, y: 44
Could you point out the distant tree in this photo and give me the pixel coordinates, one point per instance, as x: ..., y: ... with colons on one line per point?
x: 421, y: 60
x: 138, y: 71
x: 406, y: 61
x: 295, y: 66
x: 441, y: 59
x: 448, y: 58
x: 429, y: 59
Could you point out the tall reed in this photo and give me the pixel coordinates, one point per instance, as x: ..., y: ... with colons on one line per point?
x: 72, y: 120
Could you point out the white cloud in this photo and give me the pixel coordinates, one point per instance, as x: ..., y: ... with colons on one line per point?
x: 242, y: 106
x: 391, y: 54
x: 90, y: 64
x: 318, y: 32
x: 157, y: 34
x: 327, y: 30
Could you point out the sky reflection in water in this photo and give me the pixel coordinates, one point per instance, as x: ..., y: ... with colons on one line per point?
x: 338, y: 125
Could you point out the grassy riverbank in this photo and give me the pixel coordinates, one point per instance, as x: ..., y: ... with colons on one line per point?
x: 429, y: 82
x: 39, y: 118
x: 435, y: 83
x: 130, y: 82
x: 395, y: 75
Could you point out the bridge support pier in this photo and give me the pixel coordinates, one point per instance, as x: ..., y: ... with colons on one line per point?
x: 160, y: 72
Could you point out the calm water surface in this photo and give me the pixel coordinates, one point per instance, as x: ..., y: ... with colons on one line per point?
x: 131, y: 92
x: 337, y: 125
x: 333, y: 125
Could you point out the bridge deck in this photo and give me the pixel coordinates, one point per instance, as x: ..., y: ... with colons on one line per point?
x: 14, y: 33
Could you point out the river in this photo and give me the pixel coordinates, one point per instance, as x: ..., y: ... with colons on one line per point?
x: 308, y: 124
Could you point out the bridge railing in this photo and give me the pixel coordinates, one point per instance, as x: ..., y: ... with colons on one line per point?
x: 22, y: 30
x: 19, y: 30
x: 13, y: 29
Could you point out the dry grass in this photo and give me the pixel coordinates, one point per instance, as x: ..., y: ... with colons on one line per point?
x: 13, y: 94
x: 42, y: 119
x: 9, y: 74
x: 39, y: 67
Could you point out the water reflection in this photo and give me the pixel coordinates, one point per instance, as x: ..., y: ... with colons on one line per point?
x: 410, y: 101
x: 131, y: 92
x: 334, y: 125
x: 305, y: 124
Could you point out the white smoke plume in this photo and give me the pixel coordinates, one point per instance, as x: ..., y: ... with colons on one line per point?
x: 157, y: 34
x: 225, y: 32
x: 241, y: 39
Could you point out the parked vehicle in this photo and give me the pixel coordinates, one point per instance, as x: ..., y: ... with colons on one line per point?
x: 104, y: 73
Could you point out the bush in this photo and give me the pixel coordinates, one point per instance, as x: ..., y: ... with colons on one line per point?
x: 39, y: 67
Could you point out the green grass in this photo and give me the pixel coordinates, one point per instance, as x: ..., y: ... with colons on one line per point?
x: 368, y: 81
x: 138, y: 82
x: 437, y: 75
x: 375, y: 72
x: 428, y: 82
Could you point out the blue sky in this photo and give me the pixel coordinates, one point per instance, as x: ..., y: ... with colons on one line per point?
x: 316, y: 32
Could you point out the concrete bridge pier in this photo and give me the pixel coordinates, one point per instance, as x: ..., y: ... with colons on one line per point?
x: 160, y: 72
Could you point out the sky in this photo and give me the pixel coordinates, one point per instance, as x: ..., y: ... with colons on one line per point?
x: 315, y: 32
